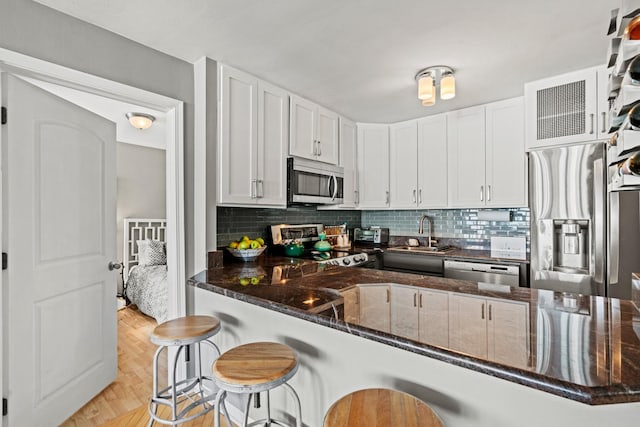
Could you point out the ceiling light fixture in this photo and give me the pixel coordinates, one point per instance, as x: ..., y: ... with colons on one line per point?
x: 140, y: 120
x: 428, y: 81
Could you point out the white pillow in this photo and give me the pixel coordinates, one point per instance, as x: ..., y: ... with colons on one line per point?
x: 152, y: 252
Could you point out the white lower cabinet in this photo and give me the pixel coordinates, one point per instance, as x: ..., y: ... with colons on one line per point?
x: 374, y: 307
x: 433, y: 320
x: 404, y: 311
x: 475, y: 323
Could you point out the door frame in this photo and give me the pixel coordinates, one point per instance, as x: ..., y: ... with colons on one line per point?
x: 23, y: 65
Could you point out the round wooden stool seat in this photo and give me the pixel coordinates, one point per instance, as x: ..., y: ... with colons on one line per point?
x: 185, y: 330
x: 379, y: 407
x: 255, y: 364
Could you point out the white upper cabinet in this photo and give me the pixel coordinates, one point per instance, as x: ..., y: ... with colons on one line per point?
x: 253, y: 126
x: 565, y: 109
x: 403, y: 165
x: 466, y: 161
x: 373, y: 166
x: 432, y: 162
x: 486, y: 156
x: 506, y: 160
x: 348, y: 160
x: 314, y: 131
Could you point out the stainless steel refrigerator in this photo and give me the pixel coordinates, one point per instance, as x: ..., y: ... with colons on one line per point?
x: 583, y: 239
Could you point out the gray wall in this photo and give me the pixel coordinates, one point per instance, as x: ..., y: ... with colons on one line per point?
x: 141, y: 174
x: 35, y: 30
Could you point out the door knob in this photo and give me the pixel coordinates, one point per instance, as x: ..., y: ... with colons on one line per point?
x: 114, y: 265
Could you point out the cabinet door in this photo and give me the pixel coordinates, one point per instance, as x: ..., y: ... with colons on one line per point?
x: 348, y: 160
x: 506, y: 162
x: 432, y: 162
x: 603, y: 102
x: 273, y: 137
x: 373, y: 166
x: 404, y: 311
x: 374, y: 307
x: 403, y: 165
x: 351, y: 306
x: 468, y: 325
x: 561, y: 109
x: 466, y: 157
x: 508, y: 337
x: 237, y: 161
x: 303, y: 128
x: 434, y: 318
x: 327, y: 136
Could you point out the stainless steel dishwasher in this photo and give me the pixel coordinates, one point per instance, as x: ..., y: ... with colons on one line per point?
x: 501, y: 274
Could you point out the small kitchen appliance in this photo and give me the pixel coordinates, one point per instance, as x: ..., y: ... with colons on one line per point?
x: 313, y: 183
x: 371, y: 235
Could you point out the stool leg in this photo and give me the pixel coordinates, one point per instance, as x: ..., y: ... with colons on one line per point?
x: 220, y: 400
x: 245, y: 418
x: 297, y: 402
x: 153, y: 407
x: 174, y: 394
x: 268, y: 409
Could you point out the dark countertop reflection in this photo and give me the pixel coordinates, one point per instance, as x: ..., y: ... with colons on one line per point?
x: 579, y: 347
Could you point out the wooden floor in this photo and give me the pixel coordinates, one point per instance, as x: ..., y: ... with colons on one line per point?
x: 132, y: 387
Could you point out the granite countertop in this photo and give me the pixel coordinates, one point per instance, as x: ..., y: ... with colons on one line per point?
x: 578, y: 347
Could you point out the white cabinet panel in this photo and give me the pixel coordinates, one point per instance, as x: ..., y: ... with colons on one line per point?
x: 432, y: 162
x: 434, y: 317
x: 466, y: 157
x: 508, y: 321
x: 314, y: 131
x: 506, y: 161
x: 404, y: 311
x: 373, y: 166
x: 348, y: 160
x: 467, y: 325
x: 327, y: 136
x: 403, y: 165
x: 374, y: 307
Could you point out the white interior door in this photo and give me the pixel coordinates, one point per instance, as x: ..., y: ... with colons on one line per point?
x: 59, y: 198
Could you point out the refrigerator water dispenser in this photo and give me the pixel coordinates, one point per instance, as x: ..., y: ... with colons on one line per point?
x: 571, y: 246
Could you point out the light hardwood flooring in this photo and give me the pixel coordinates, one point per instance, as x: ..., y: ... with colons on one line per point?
x: 132, y: 387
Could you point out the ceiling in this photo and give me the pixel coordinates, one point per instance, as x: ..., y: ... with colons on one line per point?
x: 359, y: 57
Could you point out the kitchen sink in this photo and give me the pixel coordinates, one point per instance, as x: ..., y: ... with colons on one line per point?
x: 432, y: 249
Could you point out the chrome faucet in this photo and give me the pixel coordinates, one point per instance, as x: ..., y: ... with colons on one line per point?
x: 421, y: 228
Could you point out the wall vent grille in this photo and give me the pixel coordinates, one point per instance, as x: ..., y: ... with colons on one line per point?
x: 561, y: 110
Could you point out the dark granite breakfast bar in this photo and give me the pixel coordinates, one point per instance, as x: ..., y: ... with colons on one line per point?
x: 585, y: 349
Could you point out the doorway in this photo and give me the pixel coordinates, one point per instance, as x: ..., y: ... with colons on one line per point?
x: 25, y: 67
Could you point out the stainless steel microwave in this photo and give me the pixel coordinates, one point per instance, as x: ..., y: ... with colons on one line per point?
x: 310, y: 182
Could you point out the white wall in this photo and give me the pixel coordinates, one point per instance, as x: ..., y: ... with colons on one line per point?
x: 141, y: 186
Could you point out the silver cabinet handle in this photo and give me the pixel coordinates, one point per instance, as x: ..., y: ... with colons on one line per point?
x: 592, y: 123
x: 114, y: 265
x: 387, y: 197
x: 482, y: 312
x: 604, y: 122
x: 388, y: 295
x: 315, y: 149
x: 420, y: 196
x: 488, y: 193
x: 260, y: 189
x: 489, y: 311
x: 356, y: 196
x: 415, y: 299
x: 414, y: 195
x: 254, y: 188
x: 319, y: 149
x: 482, y: 193
x: 420, y: 300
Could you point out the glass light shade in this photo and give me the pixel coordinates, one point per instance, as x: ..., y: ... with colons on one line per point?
x: 140, y: 120
x: 426, y: 88
x: 447, y: 86
x: 429, y: 102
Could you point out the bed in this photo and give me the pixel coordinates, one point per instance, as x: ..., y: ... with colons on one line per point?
x: 145, y: 266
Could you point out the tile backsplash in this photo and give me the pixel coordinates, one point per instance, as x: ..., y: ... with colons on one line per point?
x: 233, y: 223
x: 453, y: 226
x: 460, y: 227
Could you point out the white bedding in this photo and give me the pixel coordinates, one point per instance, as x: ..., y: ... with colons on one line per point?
x: 147, y: 288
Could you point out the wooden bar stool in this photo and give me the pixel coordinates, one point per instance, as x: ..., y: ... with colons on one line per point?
x: 183, y: 332
x: 380, y: 407
x: 254, y: 368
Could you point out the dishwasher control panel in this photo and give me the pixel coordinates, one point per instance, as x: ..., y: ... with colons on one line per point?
x: 501, y: 274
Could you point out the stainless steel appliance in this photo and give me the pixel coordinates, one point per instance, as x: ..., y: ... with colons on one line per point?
x: 376, y: 235
x: 500, y: 274
x: 309, y: 234
x: 567, y: 198
x: 623, y: 258
x: 310, y: 182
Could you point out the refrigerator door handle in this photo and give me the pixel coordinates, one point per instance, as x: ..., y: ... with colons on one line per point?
x: 614, y: 237
x: 599, y: 189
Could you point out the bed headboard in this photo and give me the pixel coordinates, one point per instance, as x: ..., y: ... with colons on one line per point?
x: 139, y: 229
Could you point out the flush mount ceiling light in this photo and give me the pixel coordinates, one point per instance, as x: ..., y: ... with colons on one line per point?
x: 430, y: 78
x: 140, y: 120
